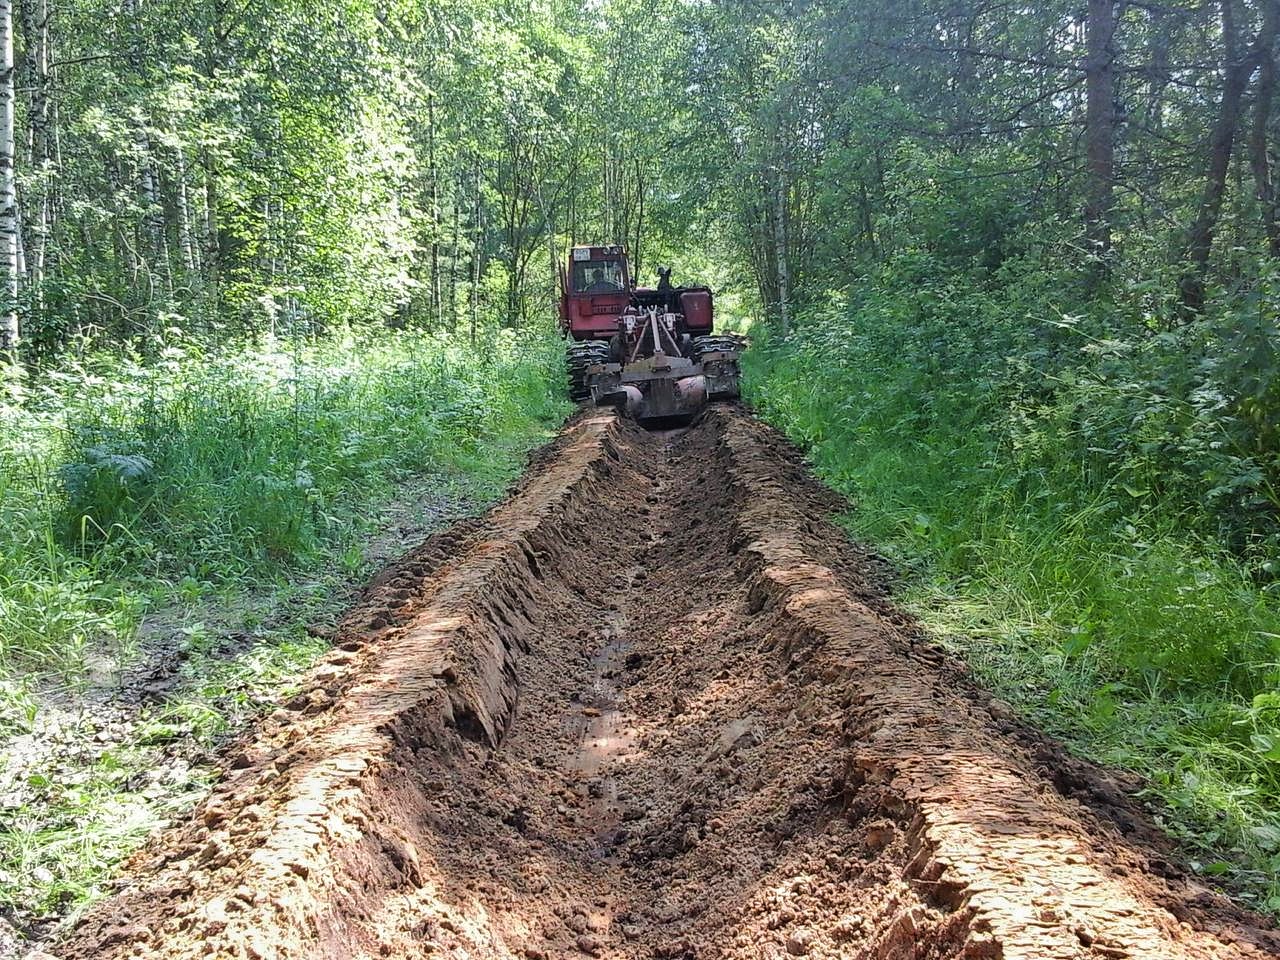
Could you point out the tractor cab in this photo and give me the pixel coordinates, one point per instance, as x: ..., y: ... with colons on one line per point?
x: 595, y: 291
x: 603, y: 273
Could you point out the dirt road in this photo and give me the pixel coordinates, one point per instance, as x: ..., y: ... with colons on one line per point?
x: 654, y: 705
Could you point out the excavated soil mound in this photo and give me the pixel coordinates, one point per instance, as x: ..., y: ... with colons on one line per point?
x: 654, y: 705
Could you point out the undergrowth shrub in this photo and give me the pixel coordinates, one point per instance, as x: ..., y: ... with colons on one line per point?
x: 242, y: 464
x: 1086, y: 504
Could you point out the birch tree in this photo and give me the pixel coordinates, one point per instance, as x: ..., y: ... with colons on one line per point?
x: 36, y: 206
x: 9, y: 225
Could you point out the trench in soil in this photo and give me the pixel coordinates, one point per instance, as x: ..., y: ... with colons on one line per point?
x: 653, y: 705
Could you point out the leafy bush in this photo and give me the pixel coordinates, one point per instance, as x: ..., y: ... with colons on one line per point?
x: 216, y: 468
x: 1086, y: 505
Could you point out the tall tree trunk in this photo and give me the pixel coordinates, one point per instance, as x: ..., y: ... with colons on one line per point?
x: 510, y: 203
x: 573, y: 202
x: 1100, y: 124
x: 151, y: 232
x: 1159, y: 73
x: 781, y: 253
x: 609, y: 212
x: 434, y: 174
x: 761, y: 211
x: 520, y: 253
x: 186, y: 247
x: 551, y: 232
x: 453, y: 253
x: 35, y: 26
x: 1237, y: 68
x: 1259, y: 155
x: 639, y: 220
x: 520, y: 192
x: 8, y: 185
x: 477, y: 236
x: 868, y: 227
x: 212, y: 236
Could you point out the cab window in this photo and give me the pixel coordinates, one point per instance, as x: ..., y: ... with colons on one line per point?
x: 598, y: 276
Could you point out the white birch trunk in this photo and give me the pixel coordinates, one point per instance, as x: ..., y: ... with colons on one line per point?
x: 185, y: 244
x: 148, y: 188
x: 8, y: 185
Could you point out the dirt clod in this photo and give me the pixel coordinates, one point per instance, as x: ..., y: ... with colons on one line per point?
x: 798, y: 942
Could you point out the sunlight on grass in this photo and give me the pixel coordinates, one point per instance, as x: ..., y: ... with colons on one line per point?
x: 211, y: 469
x: 1121, y: 631
x: 224, y: 502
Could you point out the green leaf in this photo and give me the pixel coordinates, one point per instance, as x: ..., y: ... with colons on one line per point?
x: 1266, y: 746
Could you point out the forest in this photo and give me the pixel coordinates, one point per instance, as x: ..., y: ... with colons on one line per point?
x: 1010, y: 273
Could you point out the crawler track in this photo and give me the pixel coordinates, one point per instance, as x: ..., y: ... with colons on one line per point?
x: 653, y: 705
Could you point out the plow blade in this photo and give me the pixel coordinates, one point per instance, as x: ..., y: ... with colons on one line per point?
x: 662, y: 387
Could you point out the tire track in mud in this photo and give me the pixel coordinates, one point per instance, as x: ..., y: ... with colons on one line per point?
x: 653, y: 705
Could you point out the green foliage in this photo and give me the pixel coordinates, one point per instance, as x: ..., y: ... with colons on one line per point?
x: 1081, y: 473
x: 1075, y: 462
x: 207, y: 469
x: 224, y: 493
x: 1065, y: 496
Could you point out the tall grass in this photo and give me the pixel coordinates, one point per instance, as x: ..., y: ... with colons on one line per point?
x: 117, y: 474
x: 236, y: 491
x: 1103, y: 615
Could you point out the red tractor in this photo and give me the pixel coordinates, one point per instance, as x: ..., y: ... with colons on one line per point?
x: 648, y: 350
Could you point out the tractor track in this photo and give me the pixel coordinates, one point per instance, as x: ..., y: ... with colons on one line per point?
x: 654, y: 705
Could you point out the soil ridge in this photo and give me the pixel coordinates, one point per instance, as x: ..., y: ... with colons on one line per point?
x: 654, y: 704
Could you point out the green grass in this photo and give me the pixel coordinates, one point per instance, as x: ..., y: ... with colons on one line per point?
x: 1115, y: 625
x: 222, y: 503
x: 194, y: 470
